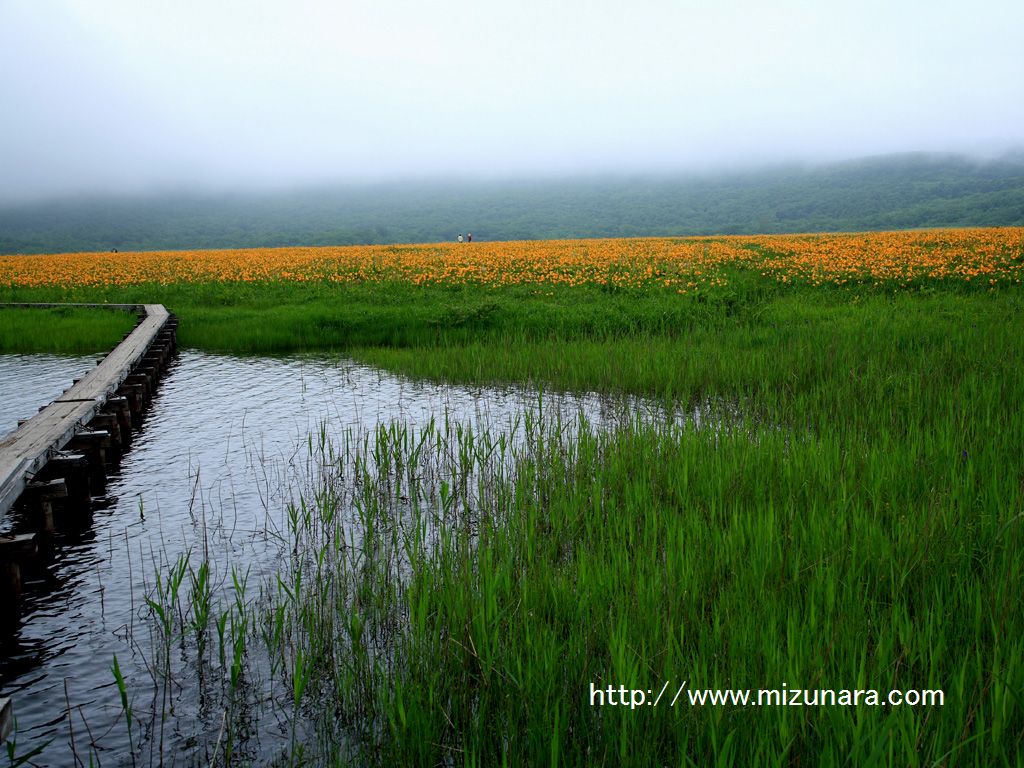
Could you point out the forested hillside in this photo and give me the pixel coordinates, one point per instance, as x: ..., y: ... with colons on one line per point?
x: 891, y: 192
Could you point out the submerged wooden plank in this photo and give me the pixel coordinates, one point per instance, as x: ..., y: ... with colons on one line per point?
x: 27, y: 450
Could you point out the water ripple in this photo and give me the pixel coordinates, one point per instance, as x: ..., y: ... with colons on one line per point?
x: 213, y: 467
x: 28, y: 382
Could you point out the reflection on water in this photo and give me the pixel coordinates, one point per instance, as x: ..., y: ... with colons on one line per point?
x: 221, y: 453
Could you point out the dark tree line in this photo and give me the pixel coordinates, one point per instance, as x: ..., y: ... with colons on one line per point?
x: 894, y: 192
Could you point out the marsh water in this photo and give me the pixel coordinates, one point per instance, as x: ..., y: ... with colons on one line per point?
x: 223, y: 450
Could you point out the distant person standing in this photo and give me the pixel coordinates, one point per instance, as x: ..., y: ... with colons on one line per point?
x: 460, y: 238
x: 469, y: 238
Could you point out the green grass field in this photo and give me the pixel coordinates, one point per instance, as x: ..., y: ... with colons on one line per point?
x: 852, y: 519
x: 62, y: 330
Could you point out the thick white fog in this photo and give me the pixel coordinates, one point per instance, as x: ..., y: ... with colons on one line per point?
x: 118, y: 95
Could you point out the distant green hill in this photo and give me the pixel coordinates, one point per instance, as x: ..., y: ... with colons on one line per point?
x: 890, y: 192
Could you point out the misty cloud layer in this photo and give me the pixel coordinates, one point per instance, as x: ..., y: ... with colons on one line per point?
x: 119, y: 95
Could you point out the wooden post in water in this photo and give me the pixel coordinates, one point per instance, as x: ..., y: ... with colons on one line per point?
x: 155, y: 359
x: 40, y: 496
x: 13, y: 551
x: 74, y: 470
x: 93, y: 445
x: 119, y: 407
x: 142, y: 381
x: 133, y: 394
x: 107, y: 422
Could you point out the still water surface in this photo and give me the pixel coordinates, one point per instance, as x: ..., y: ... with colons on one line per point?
x: 220, y: 455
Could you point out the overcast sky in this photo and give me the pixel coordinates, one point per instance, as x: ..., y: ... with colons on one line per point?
x: 129, y: 94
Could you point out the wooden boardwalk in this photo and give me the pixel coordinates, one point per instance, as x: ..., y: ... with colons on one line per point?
x: 27, y: 450
x: 96, y: 414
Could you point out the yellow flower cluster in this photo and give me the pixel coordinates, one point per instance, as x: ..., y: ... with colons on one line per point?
x: 991, y: 255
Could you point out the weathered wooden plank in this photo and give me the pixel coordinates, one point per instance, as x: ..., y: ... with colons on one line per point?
x: 27, y: 450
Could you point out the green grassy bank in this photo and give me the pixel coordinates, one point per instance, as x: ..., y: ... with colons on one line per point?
x: 276, y: 318
x: 62, y: 330
x: 280, y: 318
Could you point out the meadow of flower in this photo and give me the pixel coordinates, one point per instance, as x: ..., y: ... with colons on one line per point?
x: 989, y: 255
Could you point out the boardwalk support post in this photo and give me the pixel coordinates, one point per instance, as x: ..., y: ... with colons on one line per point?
x: 40, y: 496
x: 13, y: 551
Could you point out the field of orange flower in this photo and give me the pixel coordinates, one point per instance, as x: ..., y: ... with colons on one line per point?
x: 990, y: 256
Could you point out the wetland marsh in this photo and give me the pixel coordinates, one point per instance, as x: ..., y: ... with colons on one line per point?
x: 846, y: 512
